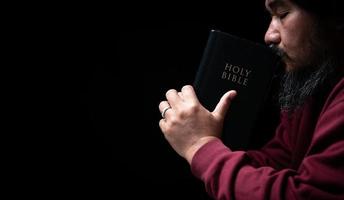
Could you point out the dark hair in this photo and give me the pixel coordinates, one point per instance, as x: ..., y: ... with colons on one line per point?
x: 330, y: 18
x: 320, y: 7
x: 327, y: 10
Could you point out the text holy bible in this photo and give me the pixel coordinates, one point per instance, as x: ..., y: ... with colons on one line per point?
x: 233, y: 63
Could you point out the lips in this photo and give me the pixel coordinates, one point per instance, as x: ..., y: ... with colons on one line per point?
x: 280, y: 52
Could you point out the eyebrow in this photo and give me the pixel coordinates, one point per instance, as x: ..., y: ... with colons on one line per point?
x: 272, y: 4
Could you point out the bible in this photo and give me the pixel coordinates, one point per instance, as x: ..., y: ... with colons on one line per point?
x: 233, y: 63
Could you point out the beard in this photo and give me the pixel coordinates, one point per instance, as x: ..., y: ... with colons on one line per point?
x: 303, y: 82
x: 298, y: 85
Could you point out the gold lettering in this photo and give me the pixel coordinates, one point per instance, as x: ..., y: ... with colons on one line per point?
x: 236, y: 69
x: 228, y: 67
x: 239, y: 80
x: 245, y: 82
x: 229, y: 76
x: 224, y: 75
x: 234, y: 78
x: 236, y: 74
x: 242, y: 72
x: 248, y: 72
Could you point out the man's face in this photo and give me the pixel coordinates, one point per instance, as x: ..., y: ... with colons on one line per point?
x: 292, y: 30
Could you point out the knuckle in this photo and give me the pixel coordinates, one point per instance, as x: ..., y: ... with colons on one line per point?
x: 193, y: 108
x: 188, y: 111
x: 186, y: 87
x: 183, y: 114
x: 173, y: 121
x: 167, y: 130
x: 161, y: 124
x: 170, y: 91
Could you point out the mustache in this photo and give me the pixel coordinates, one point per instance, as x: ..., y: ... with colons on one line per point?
x: 280, y: 52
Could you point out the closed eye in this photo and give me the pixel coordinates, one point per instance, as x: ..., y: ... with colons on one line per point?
x: 282, y: 15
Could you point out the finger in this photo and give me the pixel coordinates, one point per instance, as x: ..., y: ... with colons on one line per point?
x: 189, y: 93
x: 163, y: 105
x: 162, y: 125
x: 173, y: 98
x: 224, y: 103
x: 164, y: 108
x: 180, y: 95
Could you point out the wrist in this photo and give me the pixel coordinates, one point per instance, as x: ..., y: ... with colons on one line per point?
x: 189, y: 154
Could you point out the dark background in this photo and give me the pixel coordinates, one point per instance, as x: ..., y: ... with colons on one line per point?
x: 107, y: 73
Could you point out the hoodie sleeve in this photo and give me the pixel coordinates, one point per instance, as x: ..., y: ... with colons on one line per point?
x: 238, y: 175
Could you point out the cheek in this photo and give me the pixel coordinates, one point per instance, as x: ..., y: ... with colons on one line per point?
x: 297, y: 45
x: 299, y: 36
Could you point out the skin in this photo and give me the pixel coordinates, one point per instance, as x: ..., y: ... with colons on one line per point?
x: 291, y: 26
x: 188, y: 125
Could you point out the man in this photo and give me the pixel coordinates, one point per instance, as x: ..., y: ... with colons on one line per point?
x: 305, y: 159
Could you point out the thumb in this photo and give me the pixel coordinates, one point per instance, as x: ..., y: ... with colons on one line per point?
x: 224, y: 103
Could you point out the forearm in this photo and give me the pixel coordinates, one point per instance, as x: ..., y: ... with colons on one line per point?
x: 230, y: 175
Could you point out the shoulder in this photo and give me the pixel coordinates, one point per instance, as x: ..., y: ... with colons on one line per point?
x: 332, y: 116
x: 330, y: 123
x: 336, y: 96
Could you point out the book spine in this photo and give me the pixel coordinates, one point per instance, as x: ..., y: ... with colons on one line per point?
x: 206, y: 59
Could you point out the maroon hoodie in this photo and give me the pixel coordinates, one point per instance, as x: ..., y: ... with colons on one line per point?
x: 305, y: 159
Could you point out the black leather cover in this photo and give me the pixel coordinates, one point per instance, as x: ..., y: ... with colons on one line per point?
x: 230, y: 62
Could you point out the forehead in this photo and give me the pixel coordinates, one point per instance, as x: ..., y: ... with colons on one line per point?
x: 273, y: 1
x: 269, y: 3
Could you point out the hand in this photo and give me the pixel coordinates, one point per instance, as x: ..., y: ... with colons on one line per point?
x: 187, y: 126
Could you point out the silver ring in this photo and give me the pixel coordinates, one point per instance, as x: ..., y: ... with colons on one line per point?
x: 164, y: 111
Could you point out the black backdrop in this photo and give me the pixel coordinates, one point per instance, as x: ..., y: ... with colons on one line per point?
x: 112, y: 70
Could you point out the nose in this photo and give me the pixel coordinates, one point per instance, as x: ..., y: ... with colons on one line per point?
x: 272, y: 35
